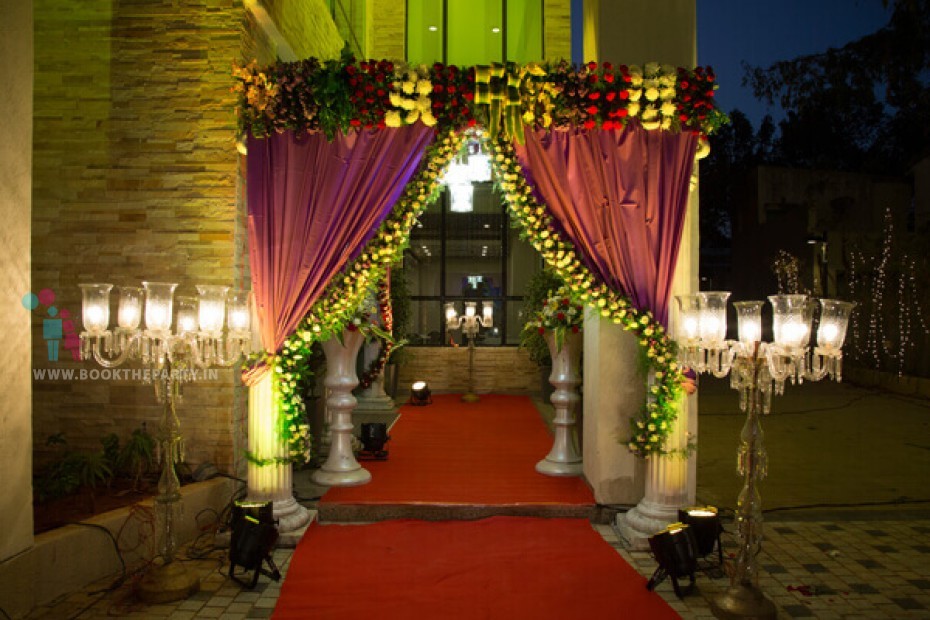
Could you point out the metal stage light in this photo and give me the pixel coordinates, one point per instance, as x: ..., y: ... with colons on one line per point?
x: 253, y: 538
x: 675, y: 550
x: 373, y: 436
x: 706, y: 527
x: 420, y: 395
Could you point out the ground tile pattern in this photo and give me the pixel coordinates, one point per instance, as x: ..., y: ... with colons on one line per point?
x: 810, y: 570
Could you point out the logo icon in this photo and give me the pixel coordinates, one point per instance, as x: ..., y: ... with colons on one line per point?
x: 57, y: 327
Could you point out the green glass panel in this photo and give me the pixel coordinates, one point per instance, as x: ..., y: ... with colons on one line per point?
x: 475, y: 30
x: 424, y: 31
x: 524, y: 30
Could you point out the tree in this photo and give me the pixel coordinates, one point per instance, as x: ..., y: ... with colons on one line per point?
x: 864, y: 106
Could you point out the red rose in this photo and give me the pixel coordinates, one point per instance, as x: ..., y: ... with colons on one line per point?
x: 574, y: 329
x: 437, y: 67
x: 560, y: 316
x: 610, y: 96
x: 591, y: 109
x: 592, y: 79
x: 437, y: 88
x: 607, y: 66
x: 542, y: 330
x: 350, y: 70
x: 381, y: 124
x: 353, y: 82
x: 351, y: 327
x: 609, y: 78
x: 387, y: 66
x: 624, y: 94
x: 469, y: 96
x: 450, y: 88
x: 608, y: 125
x: 381, y: 92
x: 369, y: 88
x: 471, y: 122
x: 589, y: 124
x: 565, y: 302
x: 709, y: 93
x: 594, y: 96
x: 592, y: 66
x: 364, y: 65
x: 684, y: 83
x: 622, y: 112
x: 466, y: 111
x: 379, y: 77
x: 683, y: 118
x: 355, y: 122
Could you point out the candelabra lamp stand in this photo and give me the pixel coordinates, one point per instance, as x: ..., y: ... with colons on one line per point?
x: 169, y: 358
x: 470, y: 323
x: 756, y: 370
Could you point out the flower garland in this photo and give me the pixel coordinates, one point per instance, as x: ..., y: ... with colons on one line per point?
x: 651, y: 428
x: 338, y: 95
x: 387, y: 345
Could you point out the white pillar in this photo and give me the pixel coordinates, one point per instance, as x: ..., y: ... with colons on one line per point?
x: 271, y: 482
x: 563, y: 459
x: 613, y: 394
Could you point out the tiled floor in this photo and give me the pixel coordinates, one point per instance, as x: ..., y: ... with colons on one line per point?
x: 863, y: 569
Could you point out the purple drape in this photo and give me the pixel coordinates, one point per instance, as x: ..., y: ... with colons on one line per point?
x: 313, y: 205
x: 620, y: 197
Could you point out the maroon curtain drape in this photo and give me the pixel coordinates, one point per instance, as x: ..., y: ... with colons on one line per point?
x: 620, y: 197
x: 313, y: 205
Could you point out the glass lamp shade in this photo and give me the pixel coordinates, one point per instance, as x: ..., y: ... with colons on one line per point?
x: 462, y: 197
x: 479, y: 167
x: 712, y: 322
x: 187, y: 315
x: 159, y: 299
x: 450, y: 312
x: 688, y: 317
x: 212, y: 313
x: 749, y: 321
x: 487, y: 313
x: 809, y: 309
x: 788, y: 316
x: 95, y: 309
x: 834, y: 319
x: 129, y: 315
x: 238, y: 317
x: 470, y: 308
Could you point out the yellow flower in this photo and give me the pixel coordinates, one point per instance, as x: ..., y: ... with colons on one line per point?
x: 396, y: 100
x: 411, y: 117
x: 668, y: 109
x: 409, y: 87
x: 652, y: 93
x: 428, y: 119
x: 633, y: 109
x: 392, y: 118
x: 424, y: 87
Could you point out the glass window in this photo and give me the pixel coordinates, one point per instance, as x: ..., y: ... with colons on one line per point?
x: 459, y: 256
x: 474, y: 32
x: 425, y: 31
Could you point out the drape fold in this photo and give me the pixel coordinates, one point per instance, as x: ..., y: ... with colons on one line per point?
x: 620, y: 196
x: 313, y: 204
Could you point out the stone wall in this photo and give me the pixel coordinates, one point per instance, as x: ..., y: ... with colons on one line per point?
x: 499, y: 370
x: 15, y: 382
x: 136, y: 177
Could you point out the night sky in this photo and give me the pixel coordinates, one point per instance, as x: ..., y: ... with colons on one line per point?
x: 763, y: 32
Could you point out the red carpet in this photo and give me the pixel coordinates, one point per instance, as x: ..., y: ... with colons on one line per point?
x: 452, y: 452
x: 502, y: 567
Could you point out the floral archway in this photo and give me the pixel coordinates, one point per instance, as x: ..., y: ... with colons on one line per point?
x: 594, y: 162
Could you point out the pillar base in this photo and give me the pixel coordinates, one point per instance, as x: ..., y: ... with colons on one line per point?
x: 290, y: 515
x: 374, y: 404
x: 352, y: 478
x: 639, y: 524
x: 557, y: 468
